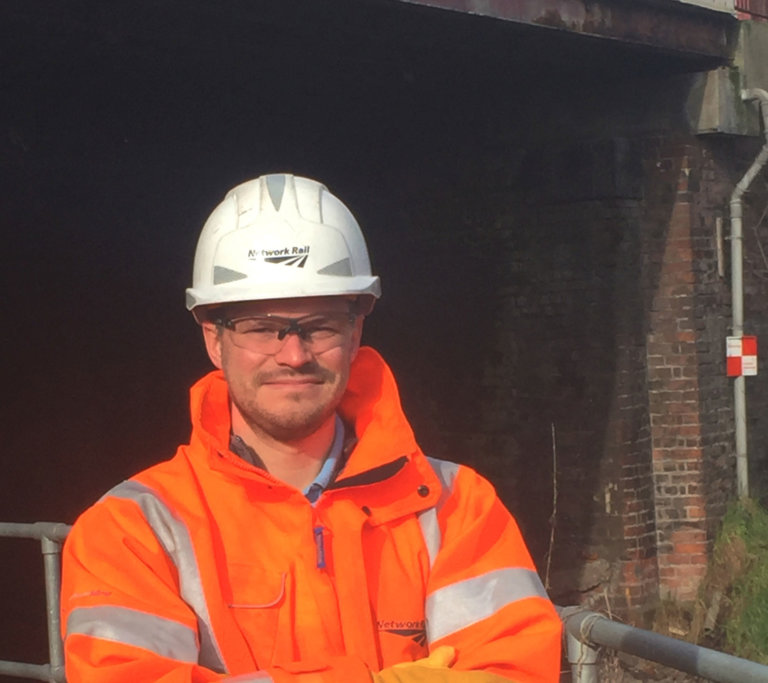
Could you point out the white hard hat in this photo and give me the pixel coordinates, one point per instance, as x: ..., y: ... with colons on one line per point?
x: 277, y: 237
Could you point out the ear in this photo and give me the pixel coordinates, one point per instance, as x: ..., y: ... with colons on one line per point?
x: 212, y: 338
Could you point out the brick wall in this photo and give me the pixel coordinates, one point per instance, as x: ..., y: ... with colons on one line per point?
x: 587, y: 322
x: 690, y: 397
x: 542, y: 278
x: 673, y: 376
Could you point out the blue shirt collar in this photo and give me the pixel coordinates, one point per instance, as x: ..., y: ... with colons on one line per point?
x: 330, y: 467
x: 328, y: 471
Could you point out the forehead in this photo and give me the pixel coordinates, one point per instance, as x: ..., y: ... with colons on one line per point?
x: 290, y: 308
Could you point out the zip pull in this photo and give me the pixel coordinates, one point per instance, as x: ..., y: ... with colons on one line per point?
x: 319, y: 546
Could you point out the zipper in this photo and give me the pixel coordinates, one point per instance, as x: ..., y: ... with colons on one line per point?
x: 318, y: 532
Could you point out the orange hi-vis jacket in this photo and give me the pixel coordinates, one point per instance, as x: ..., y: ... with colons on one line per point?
x: 206, y: 568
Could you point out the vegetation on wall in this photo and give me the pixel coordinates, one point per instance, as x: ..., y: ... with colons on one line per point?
x: 731, y: 614
x: 739, y: 573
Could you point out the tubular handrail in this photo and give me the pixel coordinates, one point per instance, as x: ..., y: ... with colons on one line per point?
x: 54, y: 531
x: 586, y: 630
x: 51, y: 536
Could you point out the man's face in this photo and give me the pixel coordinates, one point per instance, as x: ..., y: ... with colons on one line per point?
x: 291, y: 394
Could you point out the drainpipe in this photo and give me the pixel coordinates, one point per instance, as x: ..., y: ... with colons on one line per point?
x: 737, y: 291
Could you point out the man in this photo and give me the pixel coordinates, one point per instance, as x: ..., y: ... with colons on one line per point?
x: 301, y: 536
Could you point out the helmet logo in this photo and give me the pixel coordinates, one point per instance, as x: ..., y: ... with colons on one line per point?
x: 287, y: 256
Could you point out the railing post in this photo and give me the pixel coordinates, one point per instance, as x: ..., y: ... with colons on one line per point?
x: 51, y: 536
x: 582, y: 654
x: 583, y: 660
x: 51, y: 550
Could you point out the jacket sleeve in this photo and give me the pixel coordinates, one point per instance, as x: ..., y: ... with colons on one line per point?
x: 124, y: 619
x: 484, y: 596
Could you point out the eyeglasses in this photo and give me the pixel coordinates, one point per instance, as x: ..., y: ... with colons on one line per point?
x: 266, y: 334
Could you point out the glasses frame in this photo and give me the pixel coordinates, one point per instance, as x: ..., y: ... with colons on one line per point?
x: 292, y: 326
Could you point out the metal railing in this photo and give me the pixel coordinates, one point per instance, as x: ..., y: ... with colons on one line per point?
x: 586, y: 632
x: 51, y: 536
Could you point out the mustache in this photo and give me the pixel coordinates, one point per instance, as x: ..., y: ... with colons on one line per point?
x: 308, y: 371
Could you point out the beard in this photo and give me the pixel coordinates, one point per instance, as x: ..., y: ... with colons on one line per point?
x: 294, y: 416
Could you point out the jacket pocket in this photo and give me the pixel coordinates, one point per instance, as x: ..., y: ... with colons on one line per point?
x: 256, y: 600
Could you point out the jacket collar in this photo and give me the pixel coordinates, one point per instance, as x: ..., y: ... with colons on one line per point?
x: 386, y: 449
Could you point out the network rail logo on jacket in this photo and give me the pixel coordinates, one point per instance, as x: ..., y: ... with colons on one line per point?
x: 415, y: 630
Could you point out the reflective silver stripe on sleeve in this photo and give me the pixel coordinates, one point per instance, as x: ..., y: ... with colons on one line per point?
x: 164, y: 637
x: 464, y: 603
x: 174, y: 537
x: 255, y: 677
x: 430, y: 529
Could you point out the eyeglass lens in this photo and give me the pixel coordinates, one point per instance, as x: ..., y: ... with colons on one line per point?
x: 267, y: 334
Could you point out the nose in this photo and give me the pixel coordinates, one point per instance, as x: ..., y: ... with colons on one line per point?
x: 294, y: 352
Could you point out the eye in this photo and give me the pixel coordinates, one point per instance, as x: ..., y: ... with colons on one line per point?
x: 257, y: 326
x: 325, y: 326
x: 320, y: 326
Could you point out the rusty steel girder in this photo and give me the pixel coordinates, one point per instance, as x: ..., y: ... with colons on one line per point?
x: 660, y: 25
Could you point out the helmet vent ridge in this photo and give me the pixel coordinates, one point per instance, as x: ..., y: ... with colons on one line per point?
x: 223, y: 275
x: 276, y: 188
x: 343, y: 267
